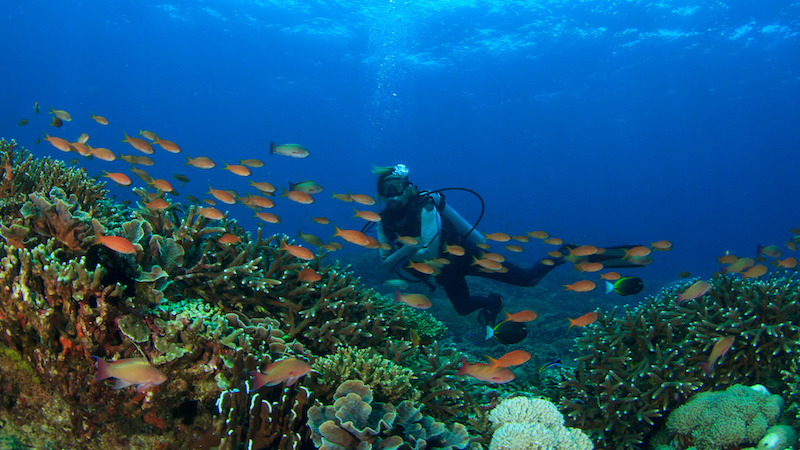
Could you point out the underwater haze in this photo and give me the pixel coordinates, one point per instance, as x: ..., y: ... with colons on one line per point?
x: 602, y: 122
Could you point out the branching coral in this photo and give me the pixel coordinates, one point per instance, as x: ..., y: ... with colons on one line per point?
x: 639, y: 366
x: 390, y: 381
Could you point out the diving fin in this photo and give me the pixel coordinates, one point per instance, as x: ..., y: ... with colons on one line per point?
x: 614, y: 257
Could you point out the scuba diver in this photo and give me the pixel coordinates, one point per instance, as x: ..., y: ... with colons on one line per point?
x: 426, y: 216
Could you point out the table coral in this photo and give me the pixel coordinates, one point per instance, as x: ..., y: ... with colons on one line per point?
x: 735, y: 417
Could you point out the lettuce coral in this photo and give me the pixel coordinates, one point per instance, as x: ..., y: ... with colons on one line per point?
x: 532, y: 424
x: 725, y: 419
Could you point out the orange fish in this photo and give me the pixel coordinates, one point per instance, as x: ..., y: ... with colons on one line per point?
x: 259, y: 201
x: 727, y: 259
x: 263, y: 186
x: 662, y: 245
x: 229, y: 238
x: 589, y: 266
x: 102, y: 153
x: 407, y: 240
x: 514, y: 248
x: 81, y: 149
x: 697, y: 289
x: 512, y: 358
x: 637, y: 252
x: 553, y: 241
x: 83, y: 138
x: 352, y: 236
x: 298, y: 196
x: 139, y: 144
x: 117, y: 177
x: 455, y: 250
x: 118, y: 244
x: 521, y: 316
x: 168, y: 145
x: 755, y: 271
x: 129, y: 372
x: 499, y: 237
x: 161, y: 185
x: 494, y: 257
x: 422, y: 267
x: 99, y: 119
x: 583, y: 320
x: 308, y: 275
x: 719, y: 350
x: 363, y: 199
x: 343, y: 197
x: 555, y: 254
x: 791, y: 246
x: 788, y: 263
x: 268, y: 217
x: 251, y: 162
x: 488, y: 264
x: 211, y: 213
x: 201, y: 162
x: 59, y: 143
x: 236, y: 169
x: 580, y: 286
x: 158, y: 204
x: 369, y: 216
x: 610, y: 276
x: 489, y: 373
x: 297, y: 251
x: 140, y: 160
x: 583, y: 250
x: 417, y: 301
x: 223, y: 196
x: 538, y: 234
x: 483, y: 246
x: 521, y: 238
x: 287, y: 369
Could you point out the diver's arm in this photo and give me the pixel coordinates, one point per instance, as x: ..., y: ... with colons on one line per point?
x: 393, y: 260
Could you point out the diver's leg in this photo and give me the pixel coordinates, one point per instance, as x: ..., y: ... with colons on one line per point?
x: 518, y: 276
x: 455, y: 286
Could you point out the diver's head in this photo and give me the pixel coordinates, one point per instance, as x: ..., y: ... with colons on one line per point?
x: 393, y: 186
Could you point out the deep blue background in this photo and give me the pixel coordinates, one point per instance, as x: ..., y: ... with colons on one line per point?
x: 600, y: 122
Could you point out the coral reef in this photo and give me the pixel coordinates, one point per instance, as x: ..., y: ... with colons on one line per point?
x: 523, y: 423
x: 634, y: 369
x: 734, y: 417
x: 203, y: 312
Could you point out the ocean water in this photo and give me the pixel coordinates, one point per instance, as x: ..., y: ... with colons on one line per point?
x: 601, y: 122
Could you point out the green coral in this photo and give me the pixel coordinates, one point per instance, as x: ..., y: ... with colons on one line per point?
x: 21, y: 364
x: 423, y: 322
x: 390, y: 381
x: 725, y: 419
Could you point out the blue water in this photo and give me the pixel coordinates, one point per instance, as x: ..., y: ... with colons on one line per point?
x: 600, y: 122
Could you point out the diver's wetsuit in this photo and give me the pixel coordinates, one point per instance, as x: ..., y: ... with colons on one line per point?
x: 428, y: 217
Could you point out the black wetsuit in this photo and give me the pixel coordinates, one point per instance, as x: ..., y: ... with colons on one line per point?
x: 450, y: 229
